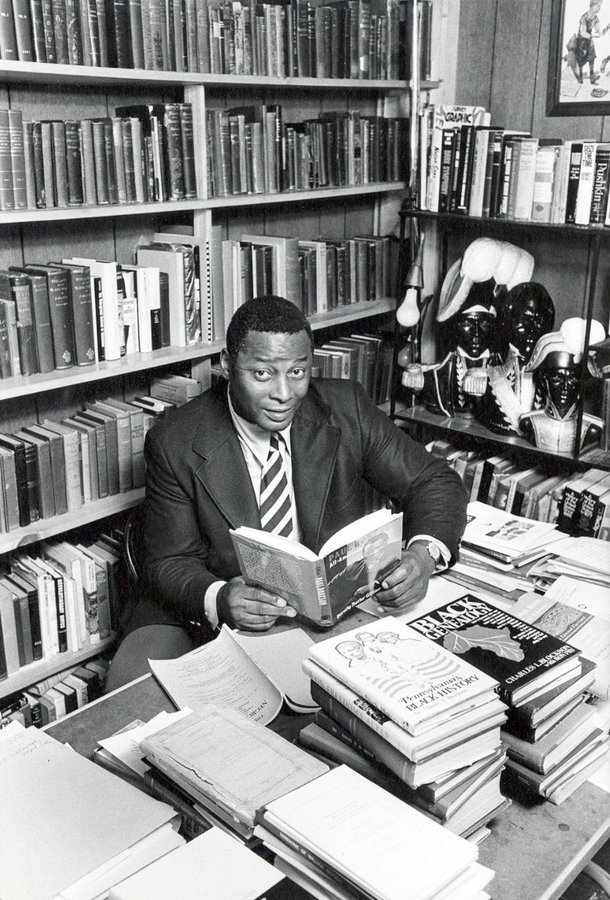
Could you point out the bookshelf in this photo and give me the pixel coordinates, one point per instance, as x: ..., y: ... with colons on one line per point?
x: 54, y: 91
x: 589, y: 240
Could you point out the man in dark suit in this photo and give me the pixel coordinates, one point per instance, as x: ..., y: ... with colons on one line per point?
x: 205, y: 474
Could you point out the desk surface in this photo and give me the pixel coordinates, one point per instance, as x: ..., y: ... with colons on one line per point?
x: 535, y: 850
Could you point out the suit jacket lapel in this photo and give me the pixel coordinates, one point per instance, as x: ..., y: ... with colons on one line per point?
x: 223, y: 471
x: 314, y: 443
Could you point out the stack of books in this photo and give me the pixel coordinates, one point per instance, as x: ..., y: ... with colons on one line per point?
x: 553, y: 741
x: 430, y: 721
x: 342, y: 836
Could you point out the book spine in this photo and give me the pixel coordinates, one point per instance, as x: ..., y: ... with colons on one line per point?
x: 49, y: 31
x: 573, y: 181
x: 74, y: 171
x: 7, y: 199
x: 26, y: 335
x: 74, y: 32
x: 60, y: 168
x: 88, y: 162
x: 82, y: 316
x: 15, y: 127
x: 61, y: 320
x: 23, y: 30
x: 13, y: 341
x: 585, y: 184
x: 601, y: 179
x: 28, y: 152
x: 60, y: 31
x: 8, y: 38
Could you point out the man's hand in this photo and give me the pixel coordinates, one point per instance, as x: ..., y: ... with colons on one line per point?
x: 408, y: 583
x: 242, y: 606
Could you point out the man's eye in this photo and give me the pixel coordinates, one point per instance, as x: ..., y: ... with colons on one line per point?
x: 262, y: 375
x: 299, y: 372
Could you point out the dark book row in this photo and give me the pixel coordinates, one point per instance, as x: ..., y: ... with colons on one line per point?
x: 49, y: 700
x: 56, y: 601
x: 579, y: 502
x: 54, y: 468
x: 254, y: 150
x: 318, y: 276
x: 366, y: 358
x: 339, y: 39
x: 83, y: 311
x: 143, y: 153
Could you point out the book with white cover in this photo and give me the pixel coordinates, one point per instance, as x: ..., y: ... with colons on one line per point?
x: 371, y: 838
x: 413, y: 681
x: 213, y: 865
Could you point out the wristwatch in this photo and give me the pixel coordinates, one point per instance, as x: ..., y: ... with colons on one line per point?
x: 433, y: 550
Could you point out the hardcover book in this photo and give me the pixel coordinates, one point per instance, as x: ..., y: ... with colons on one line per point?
x: 523, y: 659
x: 322, y: 587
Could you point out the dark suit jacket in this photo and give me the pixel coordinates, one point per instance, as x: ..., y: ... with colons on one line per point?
x: 197, y: 486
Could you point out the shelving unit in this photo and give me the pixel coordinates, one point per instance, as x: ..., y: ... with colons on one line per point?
x: 448, y: 223
x: 112, y: 231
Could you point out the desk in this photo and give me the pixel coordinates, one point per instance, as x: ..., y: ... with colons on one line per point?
x: 536, y: 850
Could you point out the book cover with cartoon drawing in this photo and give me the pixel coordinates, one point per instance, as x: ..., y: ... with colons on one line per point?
x: 524, y: 659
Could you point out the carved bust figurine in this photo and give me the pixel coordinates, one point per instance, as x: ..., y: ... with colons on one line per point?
x: 558, y: 361
x: 525, y: 315
x: 444, y: 387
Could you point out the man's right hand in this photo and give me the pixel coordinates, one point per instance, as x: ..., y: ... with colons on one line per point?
x: 252, y: 608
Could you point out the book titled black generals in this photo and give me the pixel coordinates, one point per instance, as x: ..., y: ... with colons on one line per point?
x: 523, y: 659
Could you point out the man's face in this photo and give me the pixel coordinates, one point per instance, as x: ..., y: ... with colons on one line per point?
x: 270, y: 378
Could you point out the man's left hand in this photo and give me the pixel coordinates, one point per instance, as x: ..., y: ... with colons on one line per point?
x: 408, y: 583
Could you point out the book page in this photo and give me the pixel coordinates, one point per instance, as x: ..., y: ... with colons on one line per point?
x: 357, y: 529
x: 490, y: 527
x: 280, y: 656
x: 219, y: 672
x: 587, y: 552
x: 125, y: 745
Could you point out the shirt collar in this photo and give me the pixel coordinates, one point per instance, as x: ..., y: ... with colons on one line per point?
x: 256, y: 438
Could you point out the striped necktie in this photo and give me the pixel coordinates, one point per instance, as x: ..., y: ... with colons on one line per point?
x: 275, y: 501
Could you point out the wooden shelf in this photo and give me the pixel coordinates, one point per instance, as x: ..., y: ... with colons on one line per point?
x: 73, y: 213
x: 89, y: 512
x: 351, y: 313
x: 50, y: 73
x: 470, y: 428
x: 26, y: 385
x: 493, y: 222
x: 44, y: 668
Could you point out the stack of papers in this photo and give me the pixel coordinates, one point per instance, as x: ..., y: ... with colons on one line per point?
x: 69, y: 829
x: 508, y: 538
x: 580, y: 557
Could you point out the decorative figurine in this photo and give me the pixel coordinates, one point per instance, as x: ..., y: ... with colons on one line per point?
x: 525, y: 315
x: 445, y: 387
x: 468, y: 303
x: 558, y: 361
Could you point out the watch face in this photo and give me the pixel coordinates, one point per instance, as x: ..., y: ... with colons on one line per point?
x: 434, y: 551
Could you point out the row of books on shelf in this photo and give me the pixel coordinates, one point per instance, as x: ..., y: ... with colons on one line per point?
x: 350, y: 39
x: 317, y: 275
x: 142, y: 153
x: 62, y: 599
x: 254, y: 150
x: 181, y: 291
x: 578, y: 502
x: 472, y: 167
x: 54, y: 468
x: 55, y: 696
x: 83, y: 311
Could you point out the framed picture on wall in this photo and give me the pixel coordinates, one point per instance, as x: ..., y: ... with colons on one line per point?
x: 579, y: 64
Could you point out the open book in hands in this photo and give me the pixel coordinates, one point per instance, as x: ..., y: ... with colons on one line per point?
x: 323, y: 586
